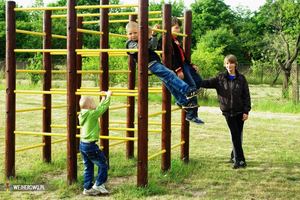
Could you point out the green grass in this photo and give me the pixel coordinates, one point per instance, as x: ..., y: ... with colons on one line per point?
x: 271, y: 146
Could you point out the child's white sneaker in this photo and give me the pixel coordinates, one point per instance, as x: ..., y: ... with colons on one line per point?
x: 90, y: 192
x: 100, y: 188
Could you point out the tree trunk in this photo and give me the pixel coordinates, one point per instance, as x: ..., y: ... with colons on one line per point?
x: 285, y: 84
x: 295, y: 82
x: 276, y: 76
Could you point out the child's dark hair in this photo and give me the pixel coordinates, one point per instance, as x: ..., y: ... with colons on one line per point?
x: 175, y: 21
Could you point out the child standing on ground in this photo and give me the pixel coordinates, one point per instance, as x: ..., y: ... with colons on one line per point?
x: 185, y: 70
x: 178, y: 88
x: 235, y: 104
x: 89, y: 150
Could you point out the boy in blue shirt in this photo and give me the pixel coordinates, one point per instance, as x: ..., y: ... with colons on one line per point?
x: 89, y: 150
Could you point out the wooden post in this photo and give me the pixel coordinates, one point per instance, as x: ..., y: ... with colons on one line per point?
x: 47, y: 85
x: 78, y: 75
x: 71, y: 89
x: 166, y: 95
x: 131, y: 102
x: 142, y: 177
x: 10, y: 76
x: 104, y: 27
x: 185, y: 132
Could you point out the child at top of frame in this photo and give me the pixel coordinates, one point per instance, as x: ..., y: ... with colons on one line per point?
x: 235, y: 104
x: 89, y: 150
x: 185, y: 69
x: 178, y: 88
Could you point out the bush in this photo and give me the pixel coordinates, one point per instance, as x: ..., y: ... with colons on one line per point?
x: 36, y: 63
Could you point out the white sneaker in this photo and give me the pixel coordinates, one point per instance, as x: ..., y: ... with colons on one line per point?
x: 90, y: 192
x: 100, y: 188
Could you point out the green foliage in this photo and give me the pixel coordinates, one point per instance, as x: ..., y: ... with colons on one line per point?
x: 36, y: 63
x: 208, y: 59
x: 209, y: 15
x: 92, y: 63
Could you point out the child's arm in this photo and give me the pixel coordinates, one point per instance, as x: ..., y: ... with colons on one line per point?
x: 195, y: 67
x: 152, y: 44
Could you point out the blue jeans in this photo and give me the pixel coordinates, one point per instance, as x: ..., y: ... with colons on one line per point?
x: 194, y: 80
x: 91, y: 154
x: 177, y: 87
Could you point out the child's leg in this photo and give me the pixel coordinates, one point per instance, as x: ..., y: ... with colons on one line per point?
x: 175, y: 85
x: 188, y: 78
x: 196, y: 77
x: 88, y: 172
x: 100, y: 160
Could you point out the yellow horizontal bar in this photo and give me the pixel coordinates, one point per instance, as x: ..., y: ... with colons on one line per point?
x: 31, y: 109
x: 122, y: 129
x: 159, y: 30
x: 157, y: 154
x: 30, y: 71
x: 61, y: 106
x: 118, y: 107
x: 174, y: 109
x: 118, y: 138
x: 31, y: 147
x: 58, y: 53
x: 38, y: 92
x: 59, y: 71
x: 105, y: 6
x: 89, y: 31
x: 118, y: 71
x: 57, y: 141
x: 45, y: 8
x: 116, y: 143
x: 79, y: 51
x: 89, y: 71
x: 59, y: 36
x: 179, y: 34
x: 158, y: 113
x: 100, y: 94
x: 109, y: 14
x: 30, y: 32
x: 181, y: 143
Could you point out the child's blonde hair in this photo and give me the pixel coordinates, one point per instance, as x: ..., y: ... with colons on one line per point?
x: 230, y: 58
x: 131, y: 24
x: 85, y: 102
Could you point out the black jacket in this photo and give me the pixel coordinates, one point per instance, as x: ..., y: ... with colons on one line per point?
x: 177, y: 63
x: 233, y: 95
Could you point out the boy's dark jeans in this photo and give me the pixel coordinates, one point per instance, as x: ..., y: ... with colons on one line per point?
x: 91, y: 154
x: 235, y: 125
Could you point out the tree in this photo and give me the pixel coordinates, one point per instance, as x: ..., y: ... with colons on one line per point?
x: 210, y: 15
x: 281, y: 17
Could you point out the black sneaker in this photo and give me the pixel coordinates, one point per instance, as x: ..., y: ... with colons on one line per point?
x: 180, y: 106
x: 190, y: 105
x: 231, y: 160
x: 193, y: 93
x: 239, y: 164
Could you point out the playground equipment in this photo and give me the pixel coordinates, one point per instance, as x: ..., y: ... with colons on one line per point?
x: 74, y: 56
